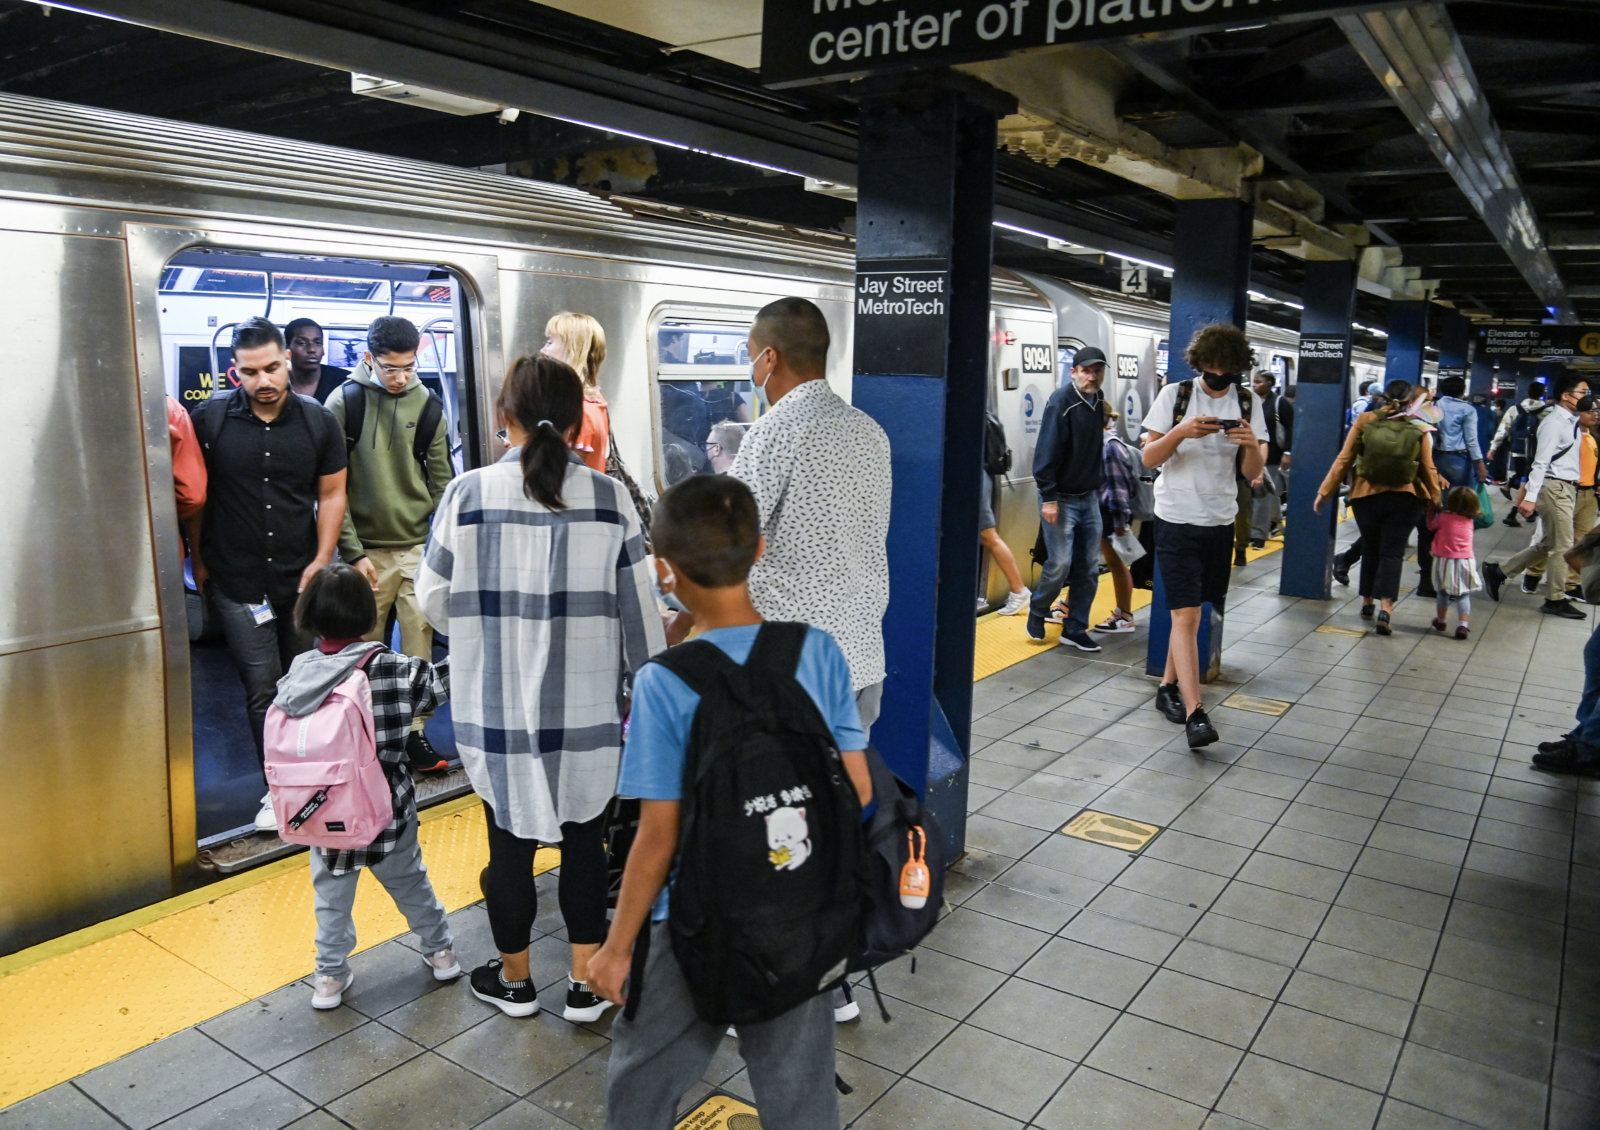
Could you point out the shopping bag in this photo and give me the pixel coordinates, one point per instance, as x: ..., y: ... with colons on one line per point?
x: 1127, y: 547
x: 1485, y: 518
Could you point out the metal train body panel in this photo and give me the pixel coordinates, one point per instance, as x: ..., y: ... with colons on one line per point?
x: 95, y: 671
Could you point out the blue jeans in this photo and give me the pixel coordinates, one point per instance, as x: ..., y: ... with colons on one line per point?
x: 1073, y: 544
x: 1587, y: 732
x: 1456, y: 468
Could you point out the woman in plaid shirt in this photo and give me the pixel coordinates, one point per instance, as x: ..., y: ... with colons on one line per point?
x: 536, y: 570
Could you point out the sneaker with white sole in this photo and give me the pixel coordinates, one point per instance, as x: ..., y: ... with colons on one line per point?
x: 845, y: 1008
x: 583, y: 1005
x: 1083, y: 641
x: 1015, y: 603
x: 328, y: 992
x: 267, y: 821
x: 1116, y: 623
x: 1059, y: 612
x: 443, y: 963
x: 513, y: 1000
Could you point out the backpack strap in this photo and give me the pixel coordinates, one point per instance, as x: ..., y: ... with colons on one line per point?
x: 427, y: 428
x: 1180, y: 406
x: 778, y: 646
x: 697, y: 663
x: 355, y: 413
x: 208, y: 423
x: 1246, y: 403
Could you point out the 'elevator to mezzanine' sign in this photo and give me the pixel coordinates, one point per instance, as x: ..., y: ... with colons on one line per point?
x: 810, y: 40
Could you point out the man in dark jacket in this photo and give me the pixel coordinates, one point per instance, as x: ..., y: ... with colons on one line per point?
x: 1068, y: 467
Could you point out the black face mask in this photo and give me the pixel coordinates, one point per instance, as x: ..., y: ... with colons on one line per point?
x: 1218, y: 383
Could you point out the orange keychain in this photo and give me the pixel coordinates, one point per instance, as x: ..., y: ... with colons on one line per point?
x: 915, y: 883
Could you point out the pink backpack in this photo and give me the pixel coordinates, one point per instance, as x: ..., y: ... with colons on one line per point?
x: 328, y: 788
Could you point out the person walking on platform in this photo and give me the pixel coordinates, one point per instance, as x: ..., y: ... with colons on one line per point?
x: 399, y: 452
x: 1458, y: 457
x: 1455, y: 565
x: 1552, y: 492
x: 537, y: 572
x: 336, y: 609
x: 580, y: 341
x: 1578, y: 750
x: 275, y: 470
x: 1515, y: 437
x: 1394, y: 475
x: 1069, y: 468
x: 1005, y: 561
x: 1587, y: 508
x: 1117, y: 496
x: 1278, y: 415
x: 1201, y: 443
x: 307, y: 347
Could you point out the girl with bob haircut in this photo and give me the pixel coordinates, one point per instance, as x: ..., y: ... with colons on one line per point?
x: 1455, y: 565
x: 337, y: 608
x: 580, y: 341
x: 536, y: 570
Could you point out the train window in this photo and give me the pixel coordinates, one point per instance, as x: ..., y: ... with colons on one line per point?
x: 704, y: 396
x: 214, y: 281
x: 1066, y: 352
x: 320, y: 286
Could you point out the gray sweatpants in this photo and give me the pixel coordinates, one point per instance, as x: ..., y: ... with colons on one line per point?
x: 665, y: 1048
x: 403, y: 875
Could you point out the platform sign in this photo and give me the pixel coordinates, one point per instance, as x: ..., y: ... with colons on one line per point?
x: 815, y: 40
x: 1324, y: 359
x: 1135, y: 279
x: 1531, y: 342
x: 902, y: 317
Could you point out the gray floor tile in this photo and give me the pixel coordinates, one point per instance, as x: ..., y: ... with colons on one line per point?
x: 1351, y: 1003
x: 965, y: 1065
x: 1569, y: 1111
x: 1519, y: 1051
x: 1519, y: 974
x: 1448, y: 850
x: 1212, y: 856
x: 1278, y: 1096
x: 62, y: 1107
x: 1520, y: 837
x: 1381, y: 937
x: 1092, y: 1100
x: 1306, y: 817
x: 154, y: 1083
x: 1080, y: 857
x: 261, y: 1103
x: 1275, y: 909
x: 1216, y: 824
x: 1180, y: 1064
x: 1031, y: 812
x: 1446, y: 821
x: 1477, y: 1002
x: 981, y: 865
x: 1226, y: 967
x: 1134, y: 805
x: 943, y: 983
x: 523, y: 1054
x: 1355, y: 1055
x: 1403, y: 1116
x: 1463, y: 1089
x: 993, y: 942
x: 1536, y: 937
x: 425, y: 1091
x: 1002, y: 836
x: 997, y: 774
x: 1085, y: 971
x: 1020, y: 907
x: 1063, y: 790
x: 1264, y: 942
x: 279, y: 1026
x: 1171, y: 881
x: 525, y: 1116
x: 1353, y: 801
x: 1578, y: 1070
x: 1407, y: 870
x: 1293, y: 877
x: 1046, y: 882
x: 1369, y: 972
x: 342, y: 1065
x: 1147, y: 910
x: 1119, y: 935
x: 1201, y: 1007
x: 1390, y: 900
x: 1045, y: 1018
x: 899, y: 1044
x: 911, y: 1104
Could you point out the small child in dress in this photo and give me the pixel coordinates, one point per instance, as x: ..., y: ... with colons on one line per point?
x: 1455, y: 567
x: 338, y: 608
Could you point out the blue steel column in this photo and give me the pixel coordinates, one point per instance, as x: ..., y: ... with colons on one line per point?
x: 1408, y: 334
x: 1453, y: 331
x: 1210, y: 278
x: 926, y: 193
x: 1481, y: 374
x: 1308, y: 541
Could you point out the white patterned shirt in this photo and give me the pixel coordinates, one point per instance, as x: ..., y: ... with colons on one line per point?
x: 819, y: 469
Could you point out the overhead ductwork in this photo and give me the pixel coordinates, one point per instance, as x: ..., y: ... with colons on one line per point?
x: 1417, y: 56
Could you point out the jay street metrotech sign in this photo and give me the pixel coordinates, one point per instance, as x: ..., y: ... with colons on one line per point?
x: 816, y: 40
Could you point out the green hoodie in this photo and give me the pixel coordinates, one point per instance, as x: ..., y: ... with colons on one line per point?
x: 390, y: 498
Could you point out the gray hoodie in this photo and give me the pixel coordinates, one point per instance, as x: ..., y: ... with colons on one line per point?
x: 313, y: 675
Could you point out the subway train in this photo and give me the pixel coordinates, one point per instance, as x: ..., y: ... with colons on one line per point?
x: 137, y: 244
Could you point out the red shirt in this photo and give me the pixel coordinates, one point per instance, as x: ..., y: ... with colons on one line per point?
x: 188, y: 465
x: 591, y: 444
x: 1452, y: 535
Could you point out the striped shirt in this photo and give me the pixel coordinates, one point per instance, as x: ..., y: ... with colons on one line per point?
x: 546, y: 610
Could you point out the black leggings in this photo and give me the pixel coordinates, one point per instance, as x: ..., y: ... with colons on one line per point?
x: 1386, y: 520
x: 513, y: 902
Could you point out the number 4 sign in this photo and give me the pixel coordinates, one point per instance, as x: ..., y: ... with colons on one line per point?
x: 1135, y: 279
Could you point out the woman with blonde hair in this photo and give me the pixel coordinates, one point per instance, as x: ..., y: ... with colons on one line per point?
x: 580, y: 341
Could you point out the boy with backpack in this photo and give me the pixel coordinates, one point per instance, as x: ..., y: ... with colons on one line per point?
x: 746, y: 749
x: 336, y: 766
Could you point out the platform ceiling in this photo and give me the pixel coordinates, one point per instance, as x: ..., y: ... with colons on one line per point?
x: 1288, y: 113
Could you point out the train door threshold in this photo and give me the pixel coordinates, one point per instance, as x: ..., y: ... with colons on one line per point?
x: 243, y: 848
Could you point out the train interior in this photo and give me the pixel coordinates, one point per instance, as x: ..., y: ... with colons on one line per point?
x: 204, y: 293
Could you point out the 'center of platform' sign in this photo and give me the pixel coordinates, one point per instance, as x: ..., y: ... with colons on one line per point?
x: 811, y: 40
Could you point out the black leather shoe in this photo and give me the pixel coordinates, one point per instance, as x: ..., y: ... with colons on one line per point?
x: 1341, y: 570
x: 1239, y: 559
x: 1199, y: 730
x: 1425, y: 588
x: 1569, y: 760
x: 1557, y: 746
x: 1493, y: 578
x: 1562, y: 608
x: 1511, y: 520
x: 1170, y: 703
x: 1383, y: 626
x: 1368, y: 611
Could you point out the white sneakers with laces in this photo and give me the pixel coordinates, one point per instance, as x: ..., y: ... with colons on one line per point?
x: 1015, y: 602
x: 267, y: 819
x: 328, y: 992
x: 1116, y: 623
x: 444, y: 965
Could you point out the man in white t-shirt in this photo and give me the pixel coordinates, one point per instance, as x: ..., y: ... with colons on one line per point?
x: 1201, y: 434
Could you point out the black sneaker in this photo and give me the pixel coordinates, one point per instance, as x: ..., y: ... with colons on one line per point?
x: 1569, y: 760
x: 582, y: 1005
x: 513, y: 1000
x: 1083, y: 641
x: 1239, y: 559
x: 1563, y: 609
x: 1511, y: 520
x: 1529, y: 584
x: 1505, y: 491
x: 1199, y: 730
x: 1035, y: 628
x: 1575, y: 594
x: 1341, y: 570
x: 1383, y: 627
x: 1368, y: 611
x: 421, y: 754
x: 1561, y: 743
x: 1170, y: 703
x: 1258, y: 543
x: 1493, y: 578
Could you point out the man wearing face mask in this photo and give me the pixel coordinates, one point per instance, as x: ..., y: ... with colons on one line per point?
x: 1201, y: 433
x: 1069, y: 468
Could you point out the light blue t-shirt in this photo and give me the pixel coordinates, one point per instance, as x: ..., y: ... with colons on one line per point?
x: 663, y: 714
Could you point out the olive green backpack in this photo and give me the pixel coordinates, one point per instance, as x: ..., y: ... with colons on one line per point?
x: 1390, y: 452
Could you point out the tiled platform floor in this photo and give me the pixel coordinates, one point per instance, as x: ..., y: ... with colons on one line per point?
x: 1369, y: 911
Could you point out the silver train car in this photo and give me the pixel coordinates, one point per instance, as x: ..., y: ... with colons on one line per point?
x: 137, y: 243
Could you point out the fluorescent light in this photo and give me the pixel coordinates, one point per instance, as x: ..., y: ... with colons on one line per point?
x: 1141, y: 262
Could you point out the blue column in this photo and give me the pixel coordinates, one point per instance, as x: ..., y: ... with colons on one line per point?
x: 1481, y: 373
x: 1453, y: 335
x: 1408, y: 334
x: 926, y: 205
x: 1210, y: 278
x: 1319, y: 408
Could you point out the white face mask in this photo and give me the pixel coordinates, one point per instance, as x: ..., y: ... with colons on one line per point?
x: 760, y: 386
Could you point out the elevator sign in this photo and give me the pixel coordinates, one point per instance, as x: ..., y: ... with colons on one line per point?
x: 812, y: 40
x: 902, y: 312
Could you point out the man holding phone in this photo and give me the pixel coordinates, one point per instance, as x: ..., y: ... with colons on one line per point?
x: 1201, y: 433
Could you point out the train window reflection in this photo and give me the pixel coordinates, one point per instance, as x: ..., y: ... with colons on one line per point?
x: 320, y: 286
x: 704, y: 397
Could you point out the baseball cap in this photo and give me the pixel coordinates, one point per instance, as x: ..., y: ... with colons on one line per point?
x: 1088, y: 355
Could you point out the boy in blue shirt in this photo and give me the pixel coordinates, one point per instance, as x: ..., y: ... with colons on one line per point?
x: 707, y: 535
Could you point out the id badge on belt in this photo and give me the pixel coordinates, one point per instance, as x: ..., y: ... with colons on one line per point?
x: 262, y: 613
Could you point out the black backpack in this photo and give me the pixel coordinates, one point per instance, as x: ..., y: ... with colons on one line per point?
x: 1524, y: 443
x: 211, y: 414
x: 355, y: 414
x: 771, y: 874
x: 996, y: 453
x: 901, y: 825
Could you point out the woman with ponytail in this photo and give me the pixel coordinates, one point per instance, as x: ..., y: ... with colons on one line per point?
x: 536, y: 570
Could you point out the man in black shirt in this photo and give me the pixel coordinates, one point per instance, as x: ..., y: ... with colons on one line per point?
x: 1278, y: 414
x: 1069, y: 467
x: 308, y: 375
x: 274, y: 506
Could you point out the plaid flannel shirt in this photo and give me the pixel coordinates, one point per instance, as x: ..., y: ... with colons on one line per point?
x: 403, y: 686
x: 1116, y: 493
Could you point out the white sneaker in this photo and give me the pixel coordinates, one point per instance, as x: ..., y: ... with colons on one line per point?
x: 848, y: 1010
x: 1015, y: 603
x: 267, y: 821
x: 1117, y: 623
x: 444, y: 964
x: 328, y: 992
